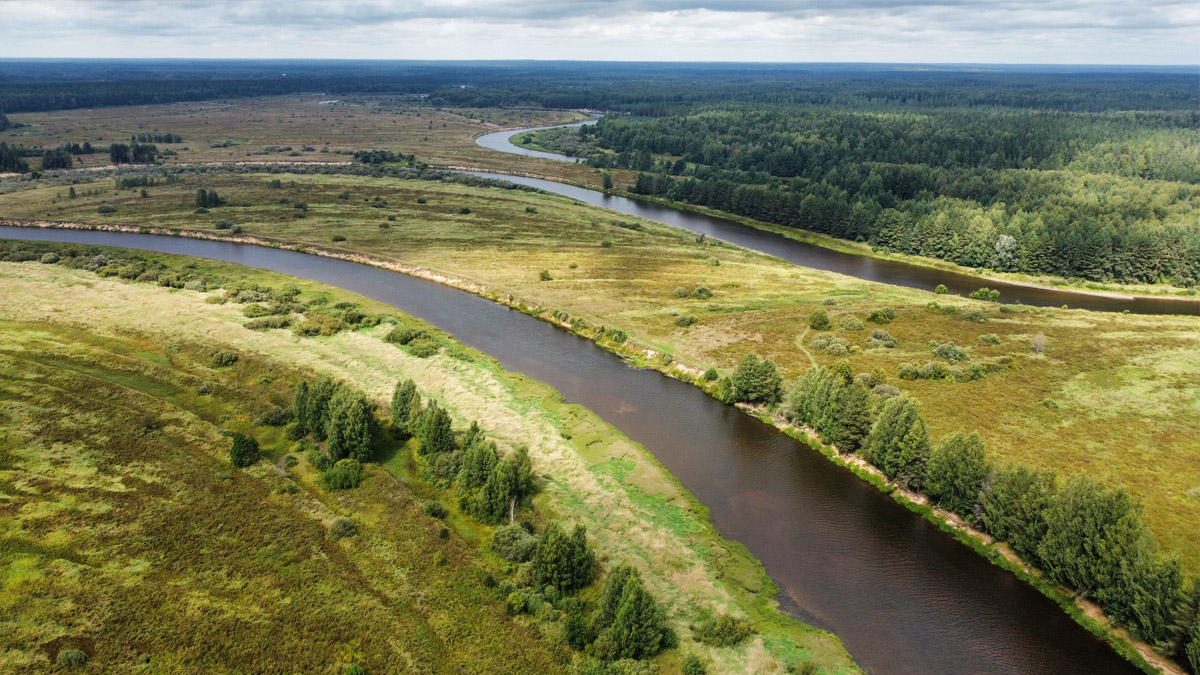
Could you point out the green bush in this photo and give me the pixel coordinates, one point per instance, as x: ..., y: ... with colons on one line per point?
x: 850, y: 323
x: 985, y: 294
x: 693, y: 666
x: 975, y: 316
x: 223, y: 360
x: 424, y: 347
x: 275, y: 417
x: 686, y: 320
x: 951, y: 352
x: 354, y: 669
x: 941, y: 289
x: 881, y: 338
x: 223, y: 225
x: 70, y: 658
x: 722, y: 631
x: 711, y: 374
x: 343, y: 475
x: 681, y: 292
x: 881, y: 316
x: 830, y: 302
x: 269, y: 322
x: 606, y: 244
x: 819, y: 320
x: 402, y: 335
x: 464, y: 210
x: 544, y: 275
x: 514, y: 543
x: 990, y: 339
x: 49, y: 258
x: 338, y: 237
x: 106, y: 208
x: 702, y: 293
x: 342, y: 527
x: 434, y: 509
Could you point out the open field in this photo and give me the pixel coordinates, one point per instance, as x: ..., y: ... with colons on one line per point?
x: 120, y: 495
x: 1113, y: 395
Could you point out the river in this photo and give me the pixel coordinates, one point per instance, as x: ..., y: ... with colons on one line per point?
x: 903, y: 596
x: 892, y: 272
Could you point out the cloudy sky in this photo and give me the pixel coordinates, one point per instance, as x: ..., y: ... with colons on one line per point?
x: 955, y: 31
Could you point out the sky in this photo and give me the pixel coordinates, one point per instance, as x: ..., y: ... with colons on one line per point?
x: 1149, y: 32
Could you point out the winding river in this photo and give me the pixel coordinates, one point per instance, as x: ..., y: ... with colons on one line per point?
x: 903, y: 596
x: 891, y: 272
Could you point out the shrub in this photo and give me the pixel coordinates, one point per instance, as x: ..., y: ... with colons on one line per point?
x: 606, y: 244
x: 342, y: 527
x: 1038, y: 343
x: 681, y: 292
x: 338, y: 237
x: 223, y: 225
x: 244, y: 451
x: 106, y: 208
x: 70, y: 658
x: 544, y: 275
x: 402, y: 335
x: 830, y: 302
x: 713, y: 262
x: 951, y: 352
x: 702, y: 293
x: 49, y: 258
x: 424, y: 347
x: 881, y: 338
x: 941, y: 289
x: 530, y: 209
x: 693, y: 666
x: 722, y: 631
x: 985, y: 294
x: 434, y: 509
x: 514, y: 543
x: 223, y: 360
x: 711, y: 374
x: 975, y: 316
x: 275, y: 417
x: 343, y: 475
x: 850, y: 323
x: 354, y: 669
x: 819, y: 320
x: 269, y: 322
x: 881, y: 316
x: 464, y: 210
x: 990, y: 339
x: 686, y: 320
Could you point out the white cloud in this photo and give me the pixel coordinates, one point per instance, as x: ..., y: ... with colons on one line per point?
x: 1000, y: 31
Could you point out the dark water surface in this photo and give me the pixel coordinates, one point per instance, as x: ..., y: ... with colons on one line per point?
x: 891, y: 272
x: 903, y: 596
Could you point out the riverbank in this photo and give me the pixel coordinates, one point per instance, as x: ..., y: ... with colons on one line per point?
x: 633, y: 508
x: 644, y: 355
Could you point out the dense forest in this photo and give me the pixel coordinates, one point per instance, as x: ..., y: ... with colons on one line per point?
x: 642, y: 88
x: 1099, y: 196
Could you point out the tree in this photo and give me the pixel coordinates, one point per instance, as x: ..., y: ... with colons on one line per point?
x: 434, y: 431
x: 835, y: 405
x: 1012, y: 507
x: 57, y: 159
x: 300, y: 408
x: 10, y: 160
x: 608, y: 181
x: 244, y: 451
x: 757, y: 381
x: 348, y: 426
x: 899, y: 442
x: 629, y: 623
x: 201, y: 198
x: 957, y: 469
x: 564, y: 561
x: 819, y: 320
x: 508, y: 484
x: 406, y: 401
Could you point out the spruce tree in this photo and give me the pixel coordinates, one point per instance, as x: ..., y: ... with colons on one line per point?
x: 300, y: 407
x: 899, y: 442
x: 434, y: 431
x: 1012, y: 508
x: 348, y: 426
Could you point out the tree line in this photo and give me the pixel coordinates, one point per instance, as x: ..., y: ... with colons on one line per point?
x: 1082, y: 534
x: 1102, y: 197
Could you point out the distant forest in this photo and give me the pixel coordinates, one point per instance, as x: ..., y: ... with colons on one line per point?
x: 1090, y: 173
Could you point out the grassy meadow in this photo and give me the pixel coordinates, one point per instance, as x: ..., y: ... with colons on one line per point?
x: 1117, y: 396
x: 129, y: 534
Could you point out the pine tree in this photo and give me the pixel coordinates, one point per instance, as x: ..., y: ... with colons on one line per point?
x: 300, y: 407
x: 957, y: 468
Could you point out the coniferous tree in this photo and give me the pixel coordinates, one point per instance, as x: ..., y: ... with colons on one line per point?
x: 564, y: 561
x: 899, y: 442
x: 300, y: 408
x: 317, y: 406
x: 957, y: 468
x: 405, y: 400
x: 434, y: 430
x: 629, y: 624
x: 348, y: 426
x: 757, y: 381
x: 1012, y: 507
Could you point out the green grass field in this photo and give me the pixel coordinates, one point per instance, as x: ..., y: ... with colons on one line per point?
x: 130, y: 536
x: 1113, y: 395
